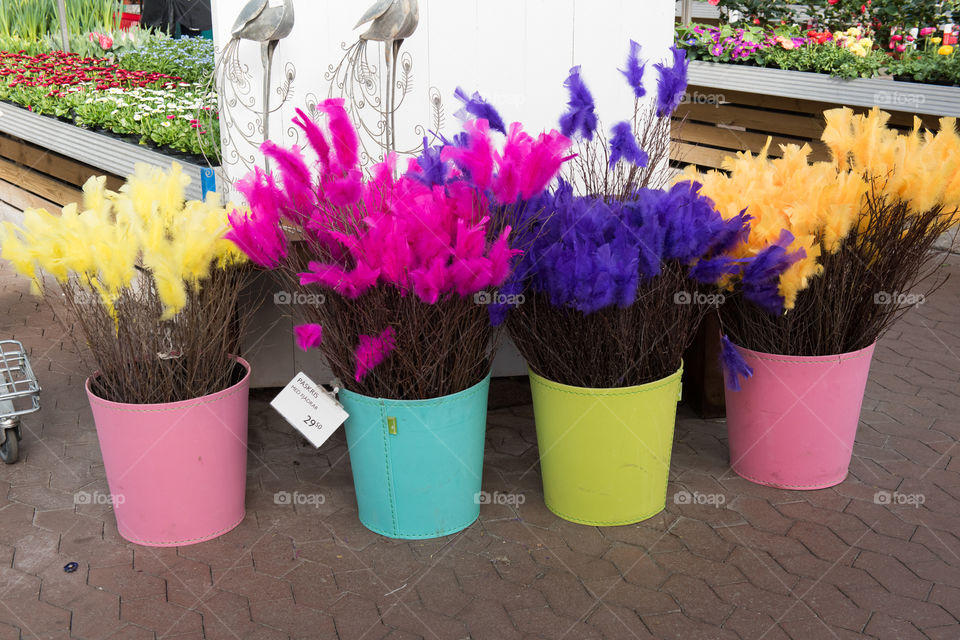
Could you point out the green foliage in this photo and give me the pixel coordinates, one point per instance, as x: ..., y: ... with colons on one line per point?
x: 814, y: 51
x: 881, y: 17
x: 725, y: 43
x: 94, y: 93
x: 189, y: 58
x: 884, y: 15
x: 763, y: 11
x: 31, y: 20
x: 928, y: 66
x: 826, y: 58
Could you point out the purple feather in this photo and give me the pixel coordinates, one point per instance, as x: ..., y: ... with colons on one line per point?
x: 623, y: 145
x: 433, y: 170
x: 672, y: 83
x: 477, y: 107
x: 761, y: 277
x: 734, y: 366
x: 711, y: 270
x: 634, y: 70
x: 580, y: 117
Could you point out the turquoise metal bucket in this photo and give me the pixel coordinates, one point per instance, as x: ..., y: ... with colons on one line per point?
x: 417, y: 464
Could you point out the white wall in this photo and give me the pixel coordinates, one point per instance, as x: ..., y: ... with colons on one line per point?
x: 517, y: 53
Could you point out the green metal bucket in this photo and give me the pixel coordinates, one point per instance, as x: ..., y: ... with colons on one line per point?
x: 605, y: 453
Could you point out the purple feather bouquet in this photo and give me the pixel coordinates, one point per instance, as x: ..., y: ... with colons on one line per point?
x: 617, y: 270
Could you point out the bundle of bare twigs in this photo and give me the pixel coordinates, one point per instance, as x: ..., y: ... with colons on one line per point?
x: 882, y: 270
x: 141, y: 358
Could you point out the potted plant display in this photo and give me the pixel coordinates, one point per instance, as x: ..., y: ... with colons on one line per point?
x: 147, y: 286
x: 851, y: 238
x: 617, y: 273
x: 403, y: 262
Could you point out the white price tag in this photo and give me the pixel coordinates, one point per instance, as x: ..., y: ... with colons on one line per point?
x: 310, y: 409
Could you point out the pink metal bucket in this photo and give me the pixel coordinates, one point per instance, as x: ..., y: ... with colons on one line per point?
x: 177, y: 472
x: 794, y: 422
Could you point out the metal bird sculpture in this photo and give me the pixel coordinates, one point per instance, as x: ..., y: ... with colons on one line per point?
x: 359, y: 83
x: 266, y: 22
x: 393, y: 21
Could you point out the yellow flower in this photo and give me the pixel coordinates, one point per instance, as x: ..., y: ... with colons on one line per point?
x: 857, y: 50
x: 936, y: 40
x: 945, y: 50
x: 822, y: 203
x: 147, y: 224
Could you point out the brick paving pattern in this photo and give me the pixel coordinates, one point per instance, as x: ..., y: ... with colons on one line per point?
x: 767, y: 563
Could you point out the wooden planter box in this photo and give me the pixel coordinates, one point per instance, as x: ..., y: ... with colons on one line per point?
x: 53, y: 158
x: 731, y: 108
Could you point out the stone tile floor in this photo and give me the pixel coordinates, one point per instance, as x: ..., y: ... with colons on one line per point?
x: 766, y: 563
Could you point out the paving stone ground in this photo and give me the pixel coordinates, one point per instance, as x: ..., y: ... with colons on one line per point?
x: 832, y: 564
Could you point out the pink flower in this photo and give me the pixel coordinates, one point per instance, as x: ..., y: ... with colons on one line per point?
x: 927, y: 31
x: 901, y: 48
x: 309, y: 336
x: 896, y: 38
x: 106, y: 42
x: 714, y: 2
x: 171, y: 117
x: 372, y: 351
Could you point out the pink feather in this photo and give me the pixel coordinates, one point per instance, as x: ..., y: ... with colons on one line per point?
x: 373, y: 350
x: 309, y: 336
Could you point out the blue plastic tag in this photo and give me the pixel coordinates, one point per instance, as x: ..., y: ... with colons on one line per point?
x: 208, y: 181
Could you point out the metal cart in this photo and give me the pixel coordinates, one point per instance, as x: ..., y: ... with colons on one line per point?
x: 19, y: 396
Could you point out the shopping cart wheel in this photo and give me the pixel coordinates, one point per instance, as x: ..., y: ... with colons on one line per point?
x: 10, y: 444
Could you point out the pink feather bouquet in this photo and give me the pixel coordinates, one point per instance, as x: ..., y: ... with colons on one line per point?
x: 402, y: 261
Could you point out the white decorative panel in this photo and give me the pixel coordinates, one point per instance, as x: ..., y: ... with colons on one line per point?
x: 516, y: 53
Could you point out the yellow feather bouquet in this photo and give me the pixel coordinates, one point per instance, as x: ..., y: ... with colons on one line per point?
x: 149, y: 285
x: 859, y: 231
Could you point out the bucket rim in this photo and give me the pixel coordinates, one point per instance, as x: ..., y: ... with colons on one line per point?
x: 839, y: 357
x: 536, y: 378
x: 172, y: 406
x: 422, y: 402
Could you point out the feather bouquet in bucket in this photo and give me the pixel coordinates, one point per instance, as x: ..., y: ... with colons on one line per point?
x: 144, y: 280
x: 149, y: 289
x: 855, y: 235
x: 616, y: 274
x: 404, y: 265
